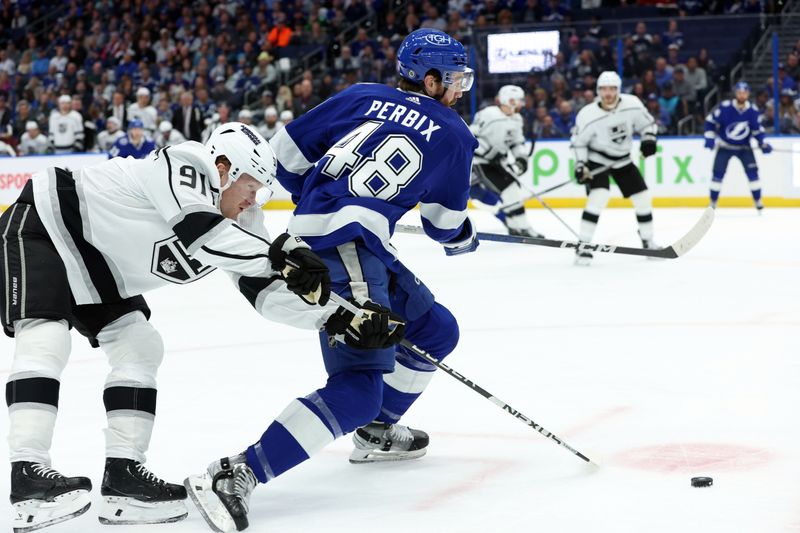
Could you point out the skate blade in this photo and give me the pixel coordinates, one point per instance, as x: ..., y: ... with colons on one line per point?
x: 118, y: 510
x: 583, y: 261
x: 211, y: 508
x: 36, y: 514
x: 372, y: 456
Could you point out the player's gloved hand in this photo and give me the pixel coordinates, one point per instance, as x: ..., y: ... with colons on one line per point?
x: 305, y: 273
x: 709, y: 143
x: 467, y: 240
x: 582, y: 174
x: 378, y: 328
x: 522, y: 164
x: 765, y: 148
x: 648, y: 148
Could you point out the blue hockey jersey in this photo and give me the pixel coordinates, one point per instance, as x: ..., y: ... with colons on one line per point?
x: 734, y: 127
x: 123, y: 147
x: 360, y: 160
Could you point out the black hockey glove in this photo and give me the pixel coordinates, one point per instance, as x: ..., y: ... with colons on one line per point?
x: 305, y: 273
x: 378, y: 328
x: 648, y: 148
x: 522, y: 164
x: 582, y: 174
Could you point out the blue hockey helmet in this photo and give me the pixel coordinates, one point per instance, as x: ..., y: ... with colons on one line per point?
x: 135, y: 123
x: 741, y: 86
x: 426, y: 49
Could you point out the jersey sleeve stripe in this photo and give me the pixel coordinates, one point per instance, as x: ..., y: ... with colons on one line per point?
x: 169, y: 176
x: 198, y: 228
x: 252, y: 288
x: 233, y: 256
x: 442, y: 217
x: 288, y: 153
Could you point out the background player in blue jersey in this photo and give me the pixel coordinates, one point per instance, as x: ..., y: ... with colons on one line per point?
x: 354, y: 165
x: 134, y: 144
x: 733, y: 123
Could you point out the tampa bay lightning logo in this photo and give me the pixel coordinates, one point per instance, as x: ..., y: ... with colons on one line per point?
x: 738, y: 131
x: 438, y: 39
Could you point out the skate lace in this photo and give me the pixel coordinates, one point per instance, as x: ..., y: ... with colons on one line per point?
x: 400, y: 433
x: 148, y: 475
x: 244, y: 482
x: 45, y: 471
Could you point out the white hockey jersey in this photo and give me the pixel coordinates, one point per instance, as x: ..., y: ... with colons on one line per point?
x: 127, y: 226
x: 497, y: 134
x: 32, y: 146
x: 175, y: 137
x: 105, y: 139
x: 267, y: 132
x: 604, y: 136
x: 65, y: 132
x: 146, y: 114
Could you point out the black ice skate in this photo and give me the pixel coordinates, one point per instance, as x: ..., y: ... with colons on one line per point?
x: 222, y: 493
x: 530, y: 232
x: 42, y: 496
x: 134, y: 495
x: 387, y: 442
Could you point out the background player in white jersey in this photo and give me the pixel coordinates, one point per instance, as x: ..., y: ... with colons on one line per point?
x: 110, y: 135
x: 145, y: 112
x: 33, y: 141
x: 167, y: 135
x: 65, y: 129
x: 498, y: 129
x: 601, y: 142
x: 79, y: 249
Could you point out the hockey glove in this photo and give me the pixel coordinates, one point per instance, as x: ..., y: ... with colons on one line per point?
x: 522, y: 165
x: 765, y: 148
x: 305, y: 273
x: 648, y: 148
x: 378, y: 328
x: 709, y: 144
x: 582, y: 174
x: 467, y: 240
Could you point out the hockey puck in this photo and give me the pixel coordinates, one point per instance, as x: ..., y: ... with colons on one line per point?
x: 702, y: 482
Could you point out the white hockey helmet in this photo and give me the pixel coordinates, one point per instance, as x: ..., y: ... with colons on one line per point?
x: 511, y: 95
x: 248, y: 152
x: 609, y: 78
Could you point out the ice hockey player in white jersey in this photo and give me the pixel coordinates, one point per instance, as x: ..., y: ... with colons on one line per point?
x: 145, y: 112
x: 271, y: 124
x: 601, y: 142
x: 110, y: 135
x: 167, y: 135
x: 65, y: 129
x: 79, y: 249
x: 495, y: 179
x: 33, y: 141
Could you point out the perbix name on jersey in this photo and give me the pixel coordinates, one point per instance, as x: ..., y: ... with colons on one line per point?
x: 403, y: 115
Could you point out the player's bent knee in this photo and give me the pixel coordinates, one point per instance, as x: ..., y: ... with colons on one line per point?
x: 42, y: 347
x: 438, y: 334
x: 354, y: 397
x: 134, y: 348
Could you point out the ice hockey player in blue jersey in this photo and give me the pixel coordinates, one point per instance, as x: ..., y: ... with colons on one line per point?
x: 134, y: 144
x: 354, y: 165
x: 732, y: 125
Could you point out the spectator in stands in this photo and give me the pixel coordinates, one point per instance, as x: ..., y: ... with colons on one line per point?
x: 345, y: 61
x: 663, y: 72
x: 792, y: 66
x: 584, y: 64
x: 673, y: 35
x: 564, y: 118
x: 682, y: 89
x: 286, y: 116
x: 110, y: 135
x: 641, y: 39
x: 705, y: 62
x: 33, y: 142
x: 188, y: 118
x: 21, y: 119
x: 673, y: 55
x: 271, y: 123
x: 696, y: 77
x: 142, y: 110
x: 6, y: 128
x: 784, y: 80
x: 265, y: 70
x: 117, y: 109
x: 649, y: 82
x: 284, y: 99
x: 245, y: 117
x: 134, y: 144
x: 356, y: 10
x: 391, y: 29
x: 307, y: 100
x: 548, y: 129
x: 59, y: 61
x: 280, y: 35
x: 660, y: 115
x: 789, y: 119
x: 433, y: 19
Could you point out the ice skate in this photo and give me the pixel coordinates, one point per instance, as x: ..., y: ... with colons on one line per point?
x: 222, y: 493
x: 134, y: 495
x: 42, y: 496
x: 378, y: 442
x: 529, y: 232
x: 583, y: 257
x: 759, y: 206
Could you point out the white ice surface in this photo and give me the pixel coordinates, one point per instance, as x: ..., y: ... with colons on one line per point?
x: 660, y: 370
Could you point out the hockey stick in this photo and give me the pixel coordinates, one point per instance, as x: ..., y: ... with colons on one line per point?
x: 469, y: 383
x: 538, y: 199
x: 785, y: 151
x: 678, y: 248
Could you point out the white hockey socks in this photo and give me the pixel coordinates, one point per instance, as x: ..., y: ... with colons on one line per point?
x: 595, y: 203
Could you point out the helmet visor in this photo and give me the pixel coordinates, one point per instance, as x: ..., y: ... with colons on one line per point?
x: 458, y: 80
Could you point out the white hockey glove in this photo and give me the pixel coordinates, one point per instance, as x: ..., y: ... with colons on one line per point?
x: 466, y: 242
x: 305, y: 273
x: 378, y: 328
